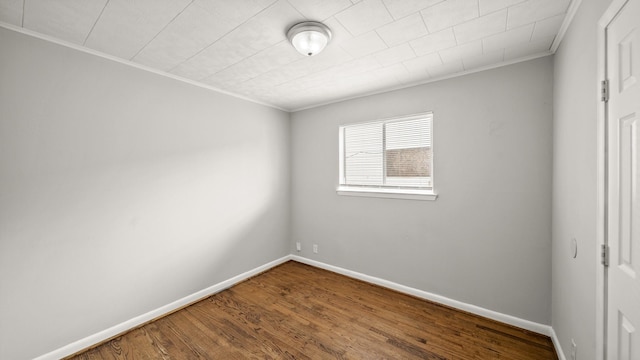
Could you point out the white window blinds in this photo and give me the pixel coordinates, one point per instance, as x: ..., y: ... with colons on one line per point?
x: 395, y: 153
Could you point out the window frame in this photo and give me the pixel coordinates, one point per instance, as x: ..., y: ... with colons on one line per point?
x: 385, y: 192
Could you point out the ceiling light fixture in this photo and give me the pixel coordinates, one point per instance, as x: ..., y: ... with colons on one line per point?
x: 309, y: 37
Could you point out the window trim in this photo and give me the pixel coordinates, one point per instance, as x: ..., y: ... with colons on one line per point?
x: 385, y: 192
x: 408, y: 194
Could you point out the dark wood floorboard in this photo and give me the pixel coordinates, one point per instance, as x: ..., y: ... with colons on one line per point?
x: 296, y: 311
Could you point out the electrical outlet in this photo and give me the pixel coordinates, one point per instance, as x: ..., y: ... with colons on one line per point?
x: 298, y: 246
x: 315, y: 248
x: 574, y: 349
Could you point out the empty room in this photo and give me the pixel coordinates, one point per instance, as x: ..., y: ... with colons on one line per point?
x: 306, y: 179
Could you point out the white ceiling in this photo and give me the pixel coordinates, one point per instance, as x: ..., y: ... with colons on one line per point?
x: 240, y: 46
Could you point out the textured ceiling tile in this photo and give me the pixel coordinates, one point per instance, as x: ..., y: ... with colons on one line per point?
x: 280, y: 76
x: 222, y: 85
x: 262, y: 62
x: 481, y: 27
x: 258, y: 33
x: 207, y: 21
x: 418, y: 79
x: 217, y: 57
x: 235, y: 11
x: 395, y: 55
x: 449, y: 13
x: 272, y: 97
x: 249, y: 91
x: 241, y: 46
x: 364, y: 16
x: 384, y: 79
x: 360, y: 85
x: 434, y: 42
x: 512, y: 37
x: 409, y: 28
x: 445, y: 69
x: 126, y: 26
x: 364, y: 45
x: 221, y: 54
x: 298, y: 85
x: 419, y: 65
x: 193, y: 30
x: 311, y: 97
x: 407, y: 77
x: 353, y: 67
x: 342, y: 84
x: 489, y: 6
x: 318, y: 10
x: 69, y: 20
x: 267, y: 28
x: 352, y: 86
x: 415, y: 78
x: 547, y: 27
x: 274, y: 57
x: 535, y: 10
x: 402, y: 8
x: 461, y: 51
x: 395, y: 72
x: 267, y: 80
x: 338, y: 32
x: 531, y: 48
x: 343, y: 74
x: 11, y: 11
x: 490, y: 58
x: 331, y: 56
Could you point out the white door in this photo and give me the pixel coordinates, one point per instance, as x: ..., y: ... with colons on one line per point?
x: 623, y: 73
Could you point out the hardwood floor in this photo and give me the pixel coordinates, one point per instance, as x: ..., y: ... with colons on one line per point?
x: 295, y: 311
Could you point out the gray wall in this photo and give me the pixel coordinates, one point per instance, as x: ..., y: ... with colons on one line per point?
x: 487, y: 239
x: 574, y: 182
x: 122, y: 191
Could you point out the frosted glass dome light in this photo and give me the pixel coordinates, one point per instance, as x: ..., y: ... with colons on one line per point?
x: 309, y: 37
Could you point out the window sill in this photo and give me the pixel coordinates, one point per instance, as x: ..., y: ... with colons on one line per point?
x: 387, y: 193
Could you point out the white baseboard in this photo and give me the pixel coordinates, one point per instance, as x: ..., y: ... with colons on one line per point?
x: 556, y: 344
x: 139, y: 320
x: 494, y: 315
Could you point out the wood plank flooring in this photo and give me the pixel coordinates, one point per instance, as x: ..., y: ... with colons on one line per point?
x: 296, y: 311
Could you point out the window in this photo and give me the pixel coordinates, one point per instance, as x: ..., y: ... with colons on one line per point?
x: 388, y: 158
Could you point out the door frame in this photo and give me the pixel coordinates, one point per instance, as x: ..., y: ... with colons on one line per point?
x: 601, y: 227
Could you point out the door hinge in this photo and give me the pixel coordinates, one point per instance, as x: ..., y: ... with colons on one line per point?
x: 604, y: 91
x: 604, y: 254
